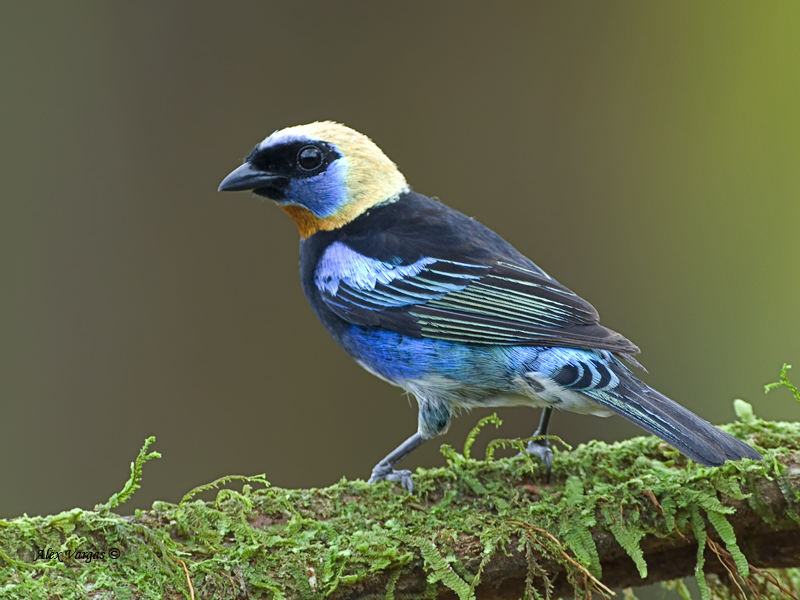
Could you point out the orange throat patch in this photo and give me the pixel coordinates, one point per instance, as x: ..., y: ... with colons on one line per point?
x: 307, y: 223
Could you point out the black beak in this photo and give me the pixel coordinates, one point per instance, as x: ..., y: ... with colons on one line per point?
x: 248, y: 178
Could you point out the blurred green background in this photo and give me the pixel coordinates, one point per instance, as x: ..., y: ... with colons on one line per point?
x: 646, y: 155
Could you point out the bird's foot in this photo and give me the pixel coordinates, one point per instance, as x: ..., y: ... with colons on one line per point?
x: 542, y: 449
x: 389, y: 474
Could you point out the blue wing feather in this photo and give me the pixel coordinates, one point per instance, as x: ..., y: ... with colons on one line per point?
x: 481, y: 302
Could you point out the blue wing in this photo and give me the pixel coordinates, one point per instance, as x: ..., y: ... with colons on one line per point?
x: 486, y: 301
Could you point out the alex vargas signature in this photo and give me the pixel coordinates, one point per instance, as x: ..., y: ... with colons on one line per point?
x: 86, y: 557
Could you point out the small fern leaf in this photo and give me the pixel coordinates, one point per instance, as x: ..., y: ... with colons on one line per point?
x: 578, y: 537
x: 629, y: 538
x: 784, y: 382
x: 443, y: 571
x: 531, y: 593
x: 392, y: 583
x: 576, y: 530
x: 725, y: 531
x: 699, y: 529
x: 494, y: 419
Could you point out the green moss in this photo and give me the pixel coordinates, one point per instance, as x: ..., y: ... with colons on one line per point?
x: 310, y: 543
x: 784, y: 382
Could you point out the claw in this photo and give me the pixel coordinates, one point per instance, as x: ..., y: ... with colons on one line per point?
x: 402, y: 476
x: 384, y: 469
x: 541, y: 449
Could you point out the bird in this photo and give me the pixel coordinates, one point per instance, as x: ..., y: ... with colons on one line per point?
x: 430, y: 300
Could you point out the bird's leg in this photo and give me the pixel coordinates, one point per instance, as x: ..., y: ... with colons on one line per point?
x: 385, y: 468
x: 541, y: 448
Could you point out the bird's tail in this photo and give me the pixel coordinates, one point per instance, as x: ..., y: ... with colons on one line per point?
x: 652, y: 411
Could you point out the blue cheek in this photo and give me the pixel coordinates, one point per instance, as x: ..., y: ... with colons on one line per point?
x: 323, y: 194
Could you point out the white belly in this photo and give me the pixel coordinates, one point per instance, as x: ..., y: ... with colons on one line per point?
x: 530, y: 391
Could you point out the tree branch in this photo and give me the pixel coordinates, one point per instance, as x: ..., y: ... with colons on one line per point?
x: 616, y: 515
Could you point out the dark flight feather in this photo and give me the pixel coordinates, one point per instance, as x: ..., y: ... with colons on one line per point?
x: 652, y: 411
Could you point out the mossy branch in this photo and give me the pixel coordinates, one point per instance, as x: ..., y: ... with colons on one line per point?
x: 614, y: 515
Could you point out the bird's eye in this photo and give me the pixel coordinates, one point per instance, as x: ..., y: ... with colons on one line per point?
x: 309, y: 158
